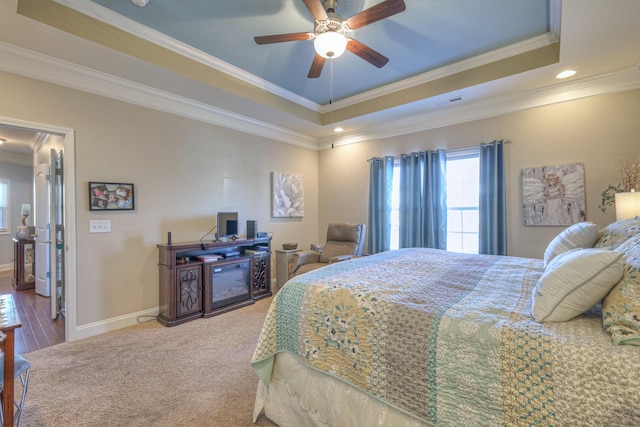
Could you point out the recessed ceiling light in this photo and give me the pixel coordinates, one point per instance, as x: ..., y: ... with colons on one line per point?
x: 565, y: 74
x: 2, y: 141
x: 338, y: 129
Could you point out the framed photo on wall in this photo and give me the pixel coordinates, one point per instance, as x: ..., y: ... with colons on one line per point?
x: 110, y: 196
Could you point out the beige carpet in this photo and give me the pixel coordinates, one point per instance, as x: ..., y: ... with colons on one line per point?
x: 195, y: 374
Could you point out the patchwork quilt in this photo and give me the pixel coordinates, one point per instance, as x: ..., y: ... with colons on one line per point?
x: 450, y: 339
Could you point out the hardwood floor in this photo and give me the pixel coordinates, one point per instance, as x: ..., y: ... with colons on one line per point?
x: 38, y: 330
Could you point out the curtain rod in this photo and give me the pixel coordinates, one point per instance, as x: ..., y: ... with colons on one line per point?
x: 508, y: 141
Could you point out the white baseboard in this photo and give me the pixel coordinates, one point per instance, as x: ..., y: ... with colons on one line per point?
x: 6, y: 267
x: 115, y: 323
x: 97, y: 328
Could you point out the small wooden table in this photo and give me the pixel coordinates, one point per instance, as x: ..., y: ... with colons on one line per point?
x: 9, y: 321
x: 24, y: 264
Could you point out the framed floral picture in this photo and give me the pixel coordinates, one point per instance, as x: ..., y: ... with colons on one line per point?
x: 110, y: 196
x: 287, y: 198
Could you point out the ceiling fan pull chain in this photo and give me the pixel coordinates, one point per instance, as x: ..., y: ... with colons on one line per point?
x: 331, y: 98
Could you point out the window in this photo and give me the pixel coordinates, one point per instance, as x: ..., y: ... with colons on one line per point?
x: 4, y: 205
x: 394, y: 241
x: 463, y: 194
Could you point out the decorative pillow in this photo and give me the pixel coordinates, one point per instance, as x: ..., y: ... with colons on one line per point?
x: 621, y: 308
x: 580, y: 235
x: 574, y: 282
x: 615, y: 234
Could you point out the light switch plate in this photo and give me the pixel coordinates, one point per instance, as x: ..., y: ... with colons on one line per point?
x: 100, y: 226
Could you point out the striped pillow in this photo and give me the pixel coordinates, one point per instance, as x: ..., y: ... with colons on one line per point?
x: 574, y: 282
x: 580, y: 235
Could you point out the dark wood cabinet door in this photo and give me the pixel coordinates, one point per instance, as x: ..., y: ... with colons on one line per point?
x: 261, y: 275
x: 189, y: 290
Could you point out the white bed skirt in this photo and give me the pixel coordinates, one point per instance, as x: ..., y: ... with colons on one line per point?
x: 301, y: 396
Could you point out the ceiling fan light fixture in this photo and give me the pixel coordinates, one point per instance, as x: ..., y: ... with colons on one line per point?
x: 330, y: 44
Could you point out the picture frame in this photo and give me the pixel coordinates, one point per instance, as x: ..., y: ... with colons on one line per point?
x: 111, y: 196
x: 553, y: 195
x: 287, y: 195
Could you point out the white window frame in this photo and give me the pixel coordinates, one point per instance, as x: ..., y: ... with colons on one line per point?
x: 453, y: 156
x: 4, y: 228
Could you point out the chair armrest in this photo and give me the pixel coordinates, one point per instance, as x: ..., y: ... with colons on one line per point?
x: 304, y: 257
x: 340, y: 258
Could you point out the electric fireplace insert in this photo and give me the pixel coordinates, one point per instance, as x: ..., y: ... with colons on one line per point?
x: 230, y: 283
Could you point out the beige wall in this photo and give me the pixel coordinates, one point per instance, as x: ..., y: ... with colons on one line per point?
x: 20, y: 178
x: 184, y: 172
x: 593, y: 131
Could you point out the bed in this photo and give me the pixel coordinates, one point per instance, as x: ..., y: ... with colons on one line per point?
x: 425, y: 337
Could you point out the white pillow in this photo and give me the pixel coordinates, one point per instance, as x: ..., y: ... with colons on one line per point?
x: 580, y: 235
x: 574, y: 282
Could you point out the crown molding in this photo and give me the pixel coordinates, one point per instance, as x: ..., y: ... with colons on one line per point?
x: 31, y: 64
x: 38, y: 140
x: 35, y: 65
x: 130, y: 26
x: 555, y: 18
x: 439, y: 73
x: 617, y: 81
x: 553, y: 36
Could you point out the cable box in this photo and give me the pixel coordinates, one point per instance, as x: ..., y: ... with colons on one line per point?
x: 231, y: 253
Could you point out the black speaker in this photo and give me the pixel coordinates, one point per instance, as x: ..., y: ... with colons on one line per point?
x: 252, y: 229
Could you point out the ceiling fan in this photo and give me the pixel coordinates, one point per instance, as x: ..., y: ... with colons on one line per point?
x: 329, y: 32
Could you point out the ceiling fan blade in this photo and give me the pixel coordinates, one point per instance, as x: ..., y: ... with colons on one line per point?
x: 366, y: 53
x: 277, y: 38
x: 375, y: 13
x: 316, y: 9
x: 316, y: 67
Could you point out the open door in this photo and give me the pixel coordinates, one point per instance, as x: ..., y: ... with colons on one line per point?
x: 49, y: 232
x: 57, y: 214
x: 43, y: 226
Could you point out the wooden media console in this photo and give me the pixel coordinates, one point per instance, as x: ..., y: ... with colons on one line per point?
x: 202, y: 279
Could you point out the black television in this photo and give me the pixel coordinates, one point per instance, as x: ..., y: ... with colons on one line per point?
x: 227, y: 225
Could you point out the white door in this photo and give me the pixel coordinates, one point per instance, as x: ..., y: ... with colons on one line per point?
x: 43, y: 234
x: 56, y: 212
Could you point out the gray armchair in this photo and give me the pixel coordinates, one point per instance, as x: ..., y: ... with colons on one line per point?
x: 344, y: 241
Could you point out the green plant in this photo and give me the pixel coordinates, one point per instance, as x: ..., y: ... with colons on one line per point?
x: 629, y: 171
x: 609, y: 197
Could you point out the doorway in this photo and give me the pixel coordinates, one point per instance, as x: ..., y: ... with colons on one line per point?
x: 61, y: 240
